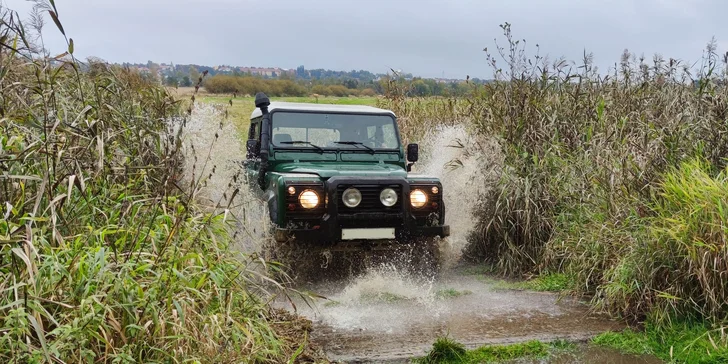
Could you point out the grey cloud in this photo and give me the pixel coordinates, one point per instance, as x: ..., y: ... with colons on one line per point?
x: 425, y: 37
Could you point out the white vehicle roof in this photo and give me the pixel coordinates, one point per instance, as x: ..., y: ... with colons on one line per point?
x: 299, y: 106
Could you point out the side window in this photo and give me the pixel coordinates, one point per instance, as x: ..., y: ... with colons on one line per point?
x: 254, y: 131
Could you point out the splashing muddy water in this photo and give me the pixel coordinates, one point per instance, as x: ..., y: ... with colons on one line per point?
x: 213, y: 150
x: 468, y: 168
x: 384, y: 316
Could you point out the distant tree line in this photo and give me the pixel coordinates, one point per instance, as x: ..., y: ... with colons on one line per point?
x: 302, y: 82
x: 288, y: 86
x: 321, y: 74
x: 249, y: 85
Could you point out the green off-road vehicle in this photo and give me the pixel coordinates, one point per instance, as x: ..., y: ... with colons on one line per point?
x: 336, y: 176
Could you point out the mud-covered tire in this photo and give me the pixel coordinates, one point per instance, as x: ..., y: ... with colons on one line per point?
x: 307, y: 261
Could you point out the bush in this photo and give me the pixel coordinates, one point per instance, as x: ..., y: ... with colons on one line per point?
x: 252, y: 85
x: 368, y: 92
x: 338, y: 90
x: 321, y: 90
x: 679, y: 265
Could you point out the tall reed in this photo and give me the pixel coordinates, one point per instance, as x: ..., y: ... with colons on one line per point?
x: 105, y: 253
x: 593, y: 163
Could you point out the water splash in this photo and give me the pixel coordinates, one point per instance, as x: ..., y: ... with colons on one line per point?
x: 386, y: 283
x: 214, y: 150
x: 367, y: 302
x: 468, y: 167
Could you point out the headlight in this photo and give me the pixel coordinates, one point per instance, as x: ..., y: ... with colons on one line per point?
x: 418, y: 198
x: 388, y: 197
x: 308, y: 199
x: 351, y: 197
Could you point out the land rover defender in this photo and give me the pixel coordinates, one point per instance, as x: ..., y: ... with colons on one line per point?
x: 334, y: 174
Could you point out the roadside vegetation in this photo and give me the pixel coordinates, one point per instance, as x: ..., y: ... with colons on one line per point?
x: 105, y: 253
x: 615, y: 183
x: 681, y: 343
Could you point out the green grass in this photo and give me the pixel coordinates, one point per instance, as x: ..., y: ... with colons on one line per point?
x: 679, y: 343
x: 550, y: 282
x: 450, y: 293
x: 477, y: 270
x: 386, y: 297
x: 561, y: 345
x: 553, y: 282
x: 447, y: 351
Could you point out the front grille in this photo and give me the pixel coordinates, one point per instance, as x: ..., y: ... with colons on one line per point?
x: 369, y: 198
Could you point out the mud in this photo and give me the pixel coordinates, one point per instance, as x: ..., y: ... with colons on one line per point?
x: 585, y: 354
x: 387, y: 316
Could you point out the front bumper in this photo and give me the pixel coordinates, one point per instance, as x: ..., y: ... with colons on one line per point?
x: 334, y: 235
x: 327, y: 227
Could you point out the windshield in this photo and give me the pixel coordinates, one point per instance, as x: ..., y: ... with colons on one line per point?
x: 342, y: 131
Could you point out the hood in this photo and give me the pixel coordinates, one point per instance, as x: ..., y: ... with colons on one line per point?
x: 327, y: 170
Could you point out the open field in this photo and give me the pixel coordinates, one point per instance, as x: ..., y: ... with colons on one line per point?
x: 239, y: 108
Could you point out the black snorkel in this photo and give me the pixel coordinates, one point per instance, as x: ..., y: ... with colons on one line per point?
x: 262, y: 102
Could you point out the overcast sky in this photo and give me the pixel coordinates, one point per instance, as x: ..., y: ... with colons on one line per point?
x: 425, y: 37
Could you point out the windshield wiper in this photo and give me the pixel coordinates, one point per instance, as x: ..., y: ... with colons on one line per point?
x: 321, y: 150
x: 355, y: 143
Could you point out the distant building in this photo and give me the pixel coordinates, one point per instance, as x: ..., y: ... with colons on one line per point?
x: 265, y: 71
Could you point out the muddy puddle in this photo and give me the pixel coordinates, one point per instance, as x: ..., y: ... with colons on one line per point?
x: 593, y: 355
x: 385, y: 316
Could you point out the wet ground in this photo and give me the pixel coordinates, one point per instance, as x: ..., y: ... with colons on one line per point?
x: 386, y: 316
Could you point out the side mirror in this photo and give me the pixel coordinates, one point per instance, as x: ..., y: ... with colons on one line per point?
x: 413, y: 152
x: 253, y: 147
